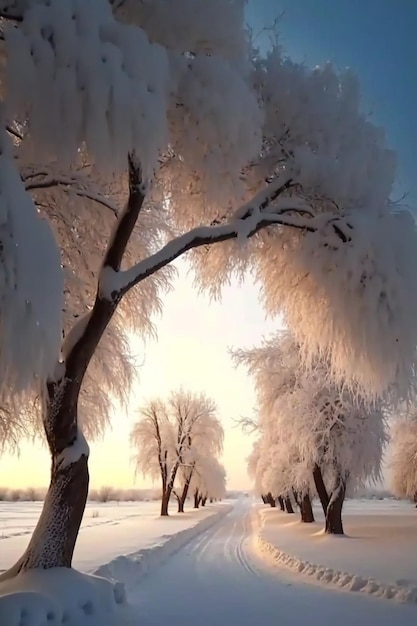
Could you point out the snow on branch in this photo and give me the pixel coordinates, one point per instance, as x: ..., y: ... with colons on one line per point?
x: 252, y: 222
x: 74, y: 452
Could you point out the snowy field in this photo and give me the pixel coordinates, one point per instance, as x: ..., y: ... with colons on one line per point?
x: 108, y: 530
x: 378, y: 554
x: 216, y: 564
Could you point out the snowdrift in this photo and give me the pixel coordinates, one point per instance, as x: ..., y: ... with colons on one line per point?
x: 328, y: 575
x: 66, y: 596
x: 62, y: 596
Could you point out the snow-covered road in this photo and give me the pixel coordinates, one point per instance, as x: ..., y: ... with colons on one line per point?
x: 218, y: 580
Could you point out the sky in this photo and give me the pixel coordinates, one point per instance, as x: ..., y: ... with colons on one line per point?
x: 377, y: 39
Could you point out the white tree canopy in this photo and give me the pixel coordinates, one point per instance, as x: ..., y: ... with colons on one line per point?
x: 274, y: 162
x: 307, y: 421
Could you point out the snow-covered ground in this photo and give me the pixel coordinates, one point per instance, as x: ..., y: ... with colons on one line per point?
x: 378, y: 555
x: 108, y: 530
x: 217, y: 577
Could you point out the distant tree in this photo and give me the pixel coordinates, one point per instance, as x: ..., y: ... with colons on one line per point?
x: 172, y: 113
x: 403, y: 461
x: 208, y: 481
x: 163, y: 438
x: 200, y: 456
x: 152, y: 439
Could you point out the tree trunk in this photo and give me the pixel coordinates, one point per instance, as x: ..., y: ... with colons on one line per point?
x: 321, y: 488
x: 203, y: 501
x: 166, y: 495
x: 306, y: 509
x: 288, y: 505
x: 281, y: 503
x: 271, y: 500
x: 53, y: 540
x: 183, y: 496
x: 334, y: 523
x: 264, y: 499
x: 297, y: 498
x: 196, y: 499
x: 211, y: 500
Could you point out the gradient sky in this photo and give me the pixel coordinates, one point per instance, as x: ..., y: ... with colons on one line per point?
x: 377, y: 39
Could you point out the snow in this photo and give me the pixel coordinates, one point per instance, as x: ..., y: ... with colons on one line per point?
x: 108, y: 282
x: 377, y: 556
x: 73, y: 453
x: 75, y: 334
x: 220, y: 579
x: 61, y: 596
x: 83, y: 76
x: 215, y: 558
x: 108, y: 531
x: 31, y: 284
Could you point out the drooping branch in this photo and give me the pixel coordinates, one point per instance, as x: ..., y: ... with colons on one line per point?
x: 204, y: 235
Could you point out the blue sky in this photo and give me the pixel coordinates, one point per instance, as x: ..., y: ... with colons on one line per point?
x: 378, y: 40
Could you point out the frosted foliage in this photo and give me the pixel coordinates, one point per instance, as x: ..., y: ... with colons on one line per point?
x: 31, y: 285
x: 209, y: 478
x: 152, y: 439
x: 306, y: 420
x: 195, y: 26
x: 85, y: 197
x: 344, y: 277
x: 354, y: 302
x: 333, y: 430
x: 83, y: 77
x: 178, y: 433
x: 403, y: 460
x: 215, y: 128
x: 315, y: 129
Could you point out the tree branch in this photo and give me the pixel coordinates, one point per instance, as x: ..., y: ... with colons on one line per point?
x: 128, y: 218
x: 122, y: 282
x: 104, y: 308
x: 67, y: 185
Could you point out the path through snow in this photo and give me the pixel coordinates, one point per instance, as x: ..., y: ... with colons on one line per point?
x: 219, y: 579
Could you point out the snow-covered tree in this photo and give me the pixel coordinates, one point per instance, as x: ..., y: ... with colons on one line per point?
x: 314, y: 432
x: 203, y: 450
x: 165, y: 108
x: 168, y: 436
x: 403, y: 461
x: 208, y: 480
x: 153, y: 440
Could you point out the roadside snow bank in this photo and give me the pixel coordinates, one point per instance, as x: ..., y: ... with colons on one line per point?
x: 63, y: 596
x: 131, y: 568
x: 272, y: 541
